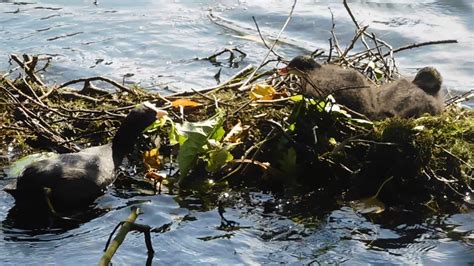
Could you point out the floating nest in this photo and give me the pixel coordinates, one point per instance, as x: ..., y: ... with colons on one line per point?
x: 256, y: 130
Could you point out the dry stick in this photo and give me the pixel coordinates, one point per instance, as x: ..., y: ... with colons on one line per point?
x: 226, y: 84
x: 127, y: 226
x: 72, y: 94
x: 360, y: 31
x: 209, y: 98
x: 330, y: 50
x: 27, y: 69
x: 247, y: 153
x: 379, y: 50
x: 213, y: 58
x: 242, y: 87
x: 414, y: 45
x: 118, y: 85
x: 31, y: 90
x: 39, y: 103
x: 333, y: 34
x: 357, y: 24
x: 39, y: 126
x: 460, y: 98
x: 263, y: 39
x: 271, y: 47
x: 363, y: 54
x: 392, y: 51
x: 365, y: 33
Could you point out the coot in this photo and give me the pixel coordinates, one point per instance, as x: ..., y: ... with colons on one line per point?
x: 77, y: 179
x: 411, y: 99
x: 349, y: 87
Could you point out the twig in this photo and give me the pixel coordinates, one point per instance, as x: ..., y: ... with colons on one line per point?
x: 333, y: 34
x: 414, y: 45
x: 460, y: 98
x: 454, y: 156
x: 360, y: 31
x: 209, y: 98
x: 28, y: 67
x: 263, y: 39
x: 271, y: 47
x: 127, y: 226
x: 114, y: 83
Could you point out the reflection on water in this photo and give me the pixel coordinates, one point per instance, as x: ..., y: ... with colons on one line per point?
x: 155, y: 43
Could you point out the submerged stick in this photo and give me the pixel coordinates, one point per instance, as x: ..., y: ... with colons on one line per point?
x: 127, y: 226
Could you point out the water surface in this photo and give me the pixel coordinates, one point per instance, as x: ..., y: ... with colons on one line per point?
x: 155, y: 42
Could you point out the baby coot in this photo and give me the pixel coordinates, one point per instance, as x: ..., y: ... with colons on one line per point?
x: 349, y: 87
x: 412, y: 99
x: 429, y: 80
x: 77, y: 179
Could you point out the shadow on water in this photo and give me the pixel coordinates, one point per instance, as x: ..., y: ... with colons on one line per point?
x: 24, y: 223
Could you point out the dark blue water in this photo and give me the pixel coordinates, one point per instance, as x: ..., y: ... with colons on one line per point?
x: 156, y: 43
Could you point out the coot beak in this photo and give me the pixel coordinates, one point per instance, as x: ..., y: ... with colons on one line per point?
x: 283, y: 71
x: 159, y: 113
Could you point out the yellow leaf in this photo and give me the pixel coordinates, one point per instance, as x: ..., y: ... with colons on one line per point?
x: 184, y: 103
x: 262, y: 92
x: 151, y: 159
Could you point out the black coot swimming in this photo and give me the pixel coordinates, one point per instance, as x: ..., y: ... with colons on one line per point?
x: 76, y: 179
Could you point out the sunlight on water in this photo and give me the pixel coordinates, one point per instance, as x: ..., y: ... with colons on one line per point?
x: 154, y: 43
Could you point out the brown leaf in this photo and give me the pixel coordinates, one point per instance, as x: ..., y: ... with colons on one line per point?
x: 154, y: 176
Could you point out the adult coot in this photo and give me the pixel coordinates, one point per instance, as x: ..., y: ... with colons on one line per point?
x: 349, y: 87
x: 407, y: 99
x: 77, y: 179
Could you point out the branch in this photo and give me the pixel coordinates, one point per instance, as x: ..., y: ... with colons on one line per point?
x: 271, y: 47
x: 118, y: 85
x: 127, y: 226
x: 263, y: 39
x: 414, y: 45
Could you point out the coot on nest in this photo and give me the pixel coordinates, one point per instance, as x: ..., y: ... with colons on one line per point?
x: 407, y: 99
x: 77, y: 179
x: 349, y: 87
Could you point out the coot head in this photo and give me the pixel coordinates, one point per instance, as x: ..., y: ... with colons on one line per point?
x: 429, y: 80
x: 298, y: 65
x: 136, y: 121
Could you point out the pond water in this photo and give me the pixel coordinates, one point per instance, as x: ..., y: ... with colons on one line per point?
x: 154, y: 43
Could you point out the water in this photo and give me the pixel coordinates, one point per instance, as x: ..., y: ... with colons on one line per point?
x: 157, y: 42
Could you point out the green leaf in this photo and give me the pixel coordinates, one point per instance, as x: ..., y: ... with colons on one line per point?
x: 218, y: 134
x: 193, y: 139
x: 296, y: 98
x: 217, y: 159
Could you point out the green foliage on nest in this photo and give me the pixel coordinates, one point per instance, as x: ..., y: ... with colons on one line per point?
x: 295, y: 146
